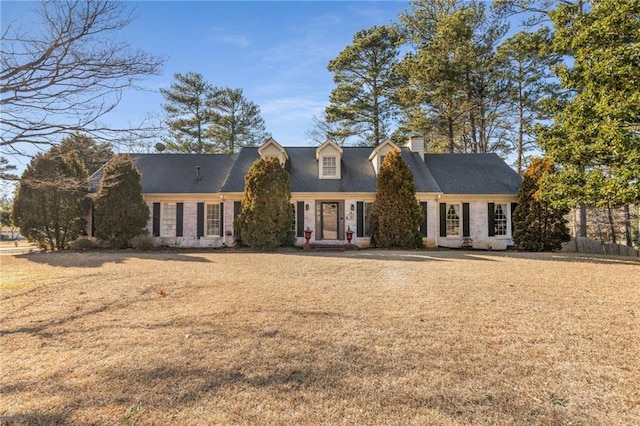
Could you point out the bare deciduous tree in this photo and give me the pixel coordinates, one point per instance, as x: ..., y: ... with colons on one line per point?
x: 65, y: 75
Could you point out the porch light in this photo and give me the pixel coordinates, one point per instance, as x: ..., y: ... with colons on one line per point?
x: 306, y: 207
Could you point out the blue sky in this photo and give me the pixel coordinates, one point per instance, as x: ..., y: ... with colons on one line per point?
x: 277, y: 52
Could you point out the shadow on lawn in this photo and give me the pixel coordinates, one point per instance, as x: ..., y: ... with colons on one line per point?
x: 331, y: 377
x: 96, y: 258
x: 34, y: 418
x: 393, y: 255
x: 444, y: 255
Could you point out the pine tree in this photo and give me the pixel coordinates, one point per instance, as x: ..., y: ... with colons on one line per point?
x: 363, y: 101
x: 51, y: 200
x: 236, y: 121
x: 595, y: 137
x: 526, y: 66
x: 396, y: 214
x: 538, y: 226
x: 188, y: 115
x: 450, y: 88
x: 265, y: 218
x: 120, y: 211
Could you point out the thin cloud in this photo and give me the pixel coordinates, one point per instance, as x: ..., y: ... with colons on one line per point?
x: 291, y: 108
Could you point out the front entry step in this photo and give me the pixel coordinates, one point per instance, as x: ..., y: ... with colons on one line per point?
x: 333, y: 247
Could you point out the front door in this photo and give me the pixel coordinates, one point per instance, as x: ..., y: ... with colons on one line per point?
x: 330, y: 214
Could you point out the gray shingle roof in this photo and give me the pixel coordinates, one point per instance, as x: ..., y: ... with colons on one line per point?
x: 176, y: 173
x: 447, y: 173
x: 472, y: 174
x: 422, y: 177
x: 357, y: 173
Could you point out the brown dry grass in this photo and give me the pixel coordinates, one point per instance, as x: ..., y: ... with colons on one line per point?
x: 370, y: 337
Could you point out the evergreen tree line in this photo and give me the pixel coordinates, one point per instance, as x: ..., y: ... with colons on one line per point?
x: 205, y: 119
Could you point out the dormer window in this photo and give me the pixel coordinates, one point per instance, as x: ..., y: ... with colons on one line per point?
x: 378, y: 154
x: 329, y: 166
x: 271, y: 148
x: 329, y: 156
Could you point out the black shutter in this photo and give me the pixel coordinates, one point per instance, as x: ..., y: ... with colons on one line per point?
x: 513, y: 209
x: 443, y: 219
x: 465, y: 220
x: 491, y: 215
x: 360, y: 219
x: 222, y: 219
x: 200, y: 220
x: 179, y: 221
x: 156, y: 219
x: 423, y: 225
x: 93, y: 220
x: 300, y: 219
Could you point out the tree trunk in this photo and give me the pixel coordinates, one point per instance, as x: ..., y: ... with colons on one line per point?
x: 627, y: 225
x: 582, y: 229
x: 520, y: 148
x: 450, y: 135
x: 612, y: 228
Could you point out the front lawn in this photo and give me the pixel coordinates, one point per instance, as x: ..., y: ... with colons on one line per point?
x: 366, y: 337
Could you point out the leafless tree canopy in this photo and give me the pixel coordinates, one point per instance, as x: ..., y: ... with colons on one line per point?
x: 67, y: 74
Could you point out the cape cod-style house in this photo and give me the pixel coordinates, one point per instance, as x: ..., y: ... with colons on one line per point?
x: 467, y: 199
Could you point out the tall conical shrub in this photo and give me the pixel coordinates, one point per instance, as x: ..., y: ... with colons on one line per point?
x: 120, y: 211
x: 265, y: 220
x: 396, y: 214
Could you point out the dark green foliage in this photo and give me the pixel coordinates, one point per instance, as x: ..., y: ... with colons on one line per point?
x: 265, y: 218
x: 188, y: 116
x: 538, y: 226
x: 595, y: 137
x: 207, y: 119
x: 51, y: 200
x: 396, y: 214
x: 92, y: 154
x: 120, y: 211
x: 236, y: 121
x: 363, y: 101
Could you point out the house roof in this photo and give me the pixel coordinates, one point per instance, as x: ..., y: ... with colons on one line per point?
x: 472, y: 174
x: 422, y: 177
x: 446, y: 173
x: 177, y: 173
x: 357, y: 174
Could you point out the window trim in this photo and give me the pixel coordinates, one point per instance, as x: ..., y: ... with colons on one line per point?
x: 334, y: 167
x: 457, y: 210
x: 168, y: 218
x: 504, y: 220
x: 207, y: 232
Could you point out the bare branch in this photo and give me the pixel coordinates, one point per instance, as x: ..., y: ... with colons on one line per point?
x: 67, y: 77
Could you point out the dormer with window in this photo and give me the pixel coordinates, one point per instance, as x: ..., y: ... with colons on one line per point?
x: 271, y: 148
x: 378, y: 154
x: 329, y: 156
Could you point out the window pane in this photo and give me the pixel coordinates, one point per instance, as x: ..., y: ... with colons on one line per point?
x: 213, y: 219
x: 329, y: 166
x: 453, y: 219
x: 168, y: 216
x: 500, y: 219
